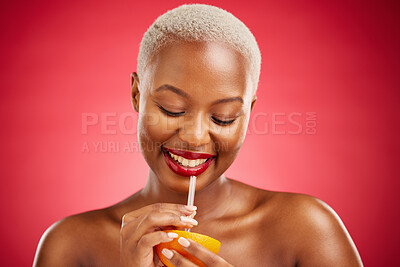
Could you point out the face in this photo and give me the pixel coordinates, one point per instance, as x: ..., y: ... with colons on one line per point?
x: 194, y: 102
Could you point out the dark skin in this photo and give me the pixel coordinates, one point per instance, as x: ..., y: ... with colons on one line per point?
x: 256, y: 227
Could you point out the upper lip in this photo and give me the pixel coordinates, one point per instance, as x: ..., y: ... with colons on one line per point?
x: 188, y: 154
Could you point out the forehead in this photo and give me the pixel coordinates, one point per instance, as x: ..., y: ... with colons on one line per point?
x: 201, y: 66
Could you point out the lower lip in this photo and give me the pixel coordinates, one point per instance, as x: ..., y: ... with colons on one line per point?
x: 186, y: 171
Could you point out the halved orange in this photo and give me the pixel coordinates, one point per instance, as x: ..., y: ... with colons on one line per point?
x: 208, y: 242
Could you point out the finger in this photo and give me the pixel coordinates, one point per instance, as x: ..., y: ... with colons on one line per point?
x: 176, y: 208
x: 158, y: 207
x: 128, y: 229
x: 177, y: 259
x: 203, y: 254
x: 148, y: 241
x: 131, y: 220
x: 154, y: 221
x: 131, y: 234
x: 172, y: 207
x: 193, y: 214
x: 179, y: 228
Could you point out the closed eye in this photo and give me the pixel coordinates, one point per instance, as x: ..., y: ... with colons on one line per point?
x: 222, y: 123
x: 169, y: 113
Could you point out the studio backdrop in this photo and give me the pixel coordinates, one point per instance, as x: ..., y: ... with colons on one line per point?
x: 326, y: 122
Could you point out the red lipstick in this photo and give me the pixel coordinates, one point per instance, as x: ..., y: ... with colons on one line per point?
x: 188, y: 154
x: 179, y: 169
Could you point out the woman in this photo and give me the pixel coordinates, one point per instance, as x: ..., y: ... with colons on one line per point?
x: 198, y: 70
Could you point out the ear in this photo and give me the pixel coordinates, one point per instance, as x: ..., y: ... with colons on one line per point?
x: 253, y: 102
x: 135, y: 91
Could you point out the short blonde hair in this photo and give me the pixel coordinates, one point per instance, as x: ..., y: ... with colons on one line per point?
x: 199, y: 22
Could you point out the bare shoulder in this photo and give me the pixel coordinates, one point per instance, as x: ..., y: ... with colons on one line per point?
x: 312, y: 229
x: 72, y: 240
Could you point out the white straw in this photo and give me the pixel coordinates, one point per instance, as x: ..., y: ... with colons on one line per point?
x: 192, y: 190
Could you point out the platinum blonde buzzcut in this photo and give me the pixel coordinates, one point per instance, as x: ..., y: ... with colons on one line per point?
x: 200, y: 22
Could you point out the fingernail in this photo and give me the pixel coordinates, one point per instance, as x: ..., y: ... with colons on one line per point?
x: 172, y: 235
x: 184, y: 242
x: 189, y: 220
x: 167, y: 253
x: 191, y: 208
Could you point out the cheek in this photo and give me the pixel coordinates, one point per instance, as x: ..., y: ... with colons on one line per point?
x: 230, y: 139
x: 155, y: 128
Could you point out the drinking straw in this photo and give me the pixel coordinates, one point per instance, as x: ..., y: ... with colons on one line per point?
x: 192, y: 189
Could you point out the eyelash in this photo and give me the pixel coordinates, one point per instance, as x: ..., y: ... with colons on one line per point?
x: 172, y: 114
x: 177, y: 114
x: 222, y: 123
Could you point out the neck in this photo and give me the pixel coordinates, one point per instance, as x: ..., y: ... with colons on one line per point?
x: 211, y: 201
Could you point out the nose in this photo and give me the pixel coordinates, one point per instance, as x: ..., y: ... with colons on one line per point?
x: 194, y: 130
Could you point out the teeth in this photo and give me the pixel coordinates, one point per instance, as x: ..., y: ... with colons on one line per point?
x: 187, y: 162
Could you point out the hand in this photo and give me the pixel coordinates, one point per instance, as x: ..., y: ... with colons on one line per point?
x: 197, y: 250
x: 141, y: 230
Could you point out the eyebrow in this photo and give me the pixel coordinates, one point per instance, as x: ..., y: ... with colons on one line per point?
x: 230, y: 99
x: 180, y: 92
x: 172, y: 89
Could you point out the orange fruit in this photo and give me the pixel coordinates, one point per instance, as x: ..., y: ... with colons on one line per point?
x: 208, y: 242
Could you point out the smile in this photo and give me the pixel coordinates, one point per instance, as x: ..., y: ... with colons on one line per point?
x: 187, y: 163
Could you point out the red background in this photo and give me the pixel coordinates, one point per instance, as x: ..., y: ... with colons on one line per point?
x: 63, y: 59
